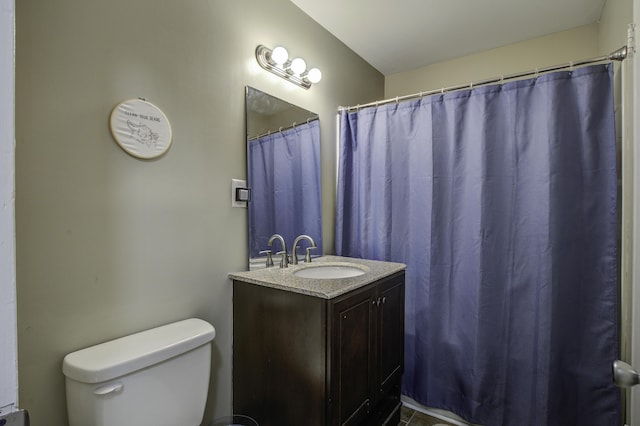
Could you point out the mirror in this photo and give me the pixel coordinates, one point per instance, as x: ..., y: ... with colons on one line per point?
x: 283, y: 173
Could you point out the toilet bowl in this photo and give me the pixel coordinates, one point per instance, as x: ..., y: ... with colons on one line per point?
x: 158, y: 377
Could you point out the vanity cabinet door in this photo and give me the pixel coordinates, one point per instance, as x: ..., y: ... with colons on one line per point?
x: 353, y: 371
x: 390, y: 339
x: 279, y: 361
x: 368, y: 354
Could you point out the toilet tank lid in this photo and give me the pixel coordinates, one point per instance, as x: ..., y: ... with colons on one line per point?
x: 127, y: 354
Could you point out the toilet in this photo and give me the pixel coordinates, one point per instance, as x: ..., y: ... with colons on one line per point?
x: 158, y: 377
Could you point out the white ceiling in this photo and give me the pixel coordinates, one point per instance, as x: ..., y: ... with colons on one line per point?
x: 403, y: 35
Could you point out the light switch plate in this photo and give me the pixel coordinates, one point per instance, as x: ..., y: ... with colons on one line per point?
x: 237, y: 183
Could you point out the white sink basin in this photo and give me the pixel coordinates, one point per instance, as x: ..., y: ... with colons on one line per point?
x: 329, y: 271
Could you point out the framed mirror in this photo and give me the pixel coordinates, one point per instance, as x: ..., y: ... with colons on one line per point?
x: 283, y: 173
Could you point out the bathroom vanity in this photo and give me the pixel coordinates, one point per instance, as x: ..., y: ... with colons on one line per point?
x: 313, y: 350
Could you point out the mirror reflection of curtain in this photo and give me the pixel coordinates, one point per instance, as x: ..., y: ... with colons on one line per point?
x: 501, y: 200
x: 284, y: 178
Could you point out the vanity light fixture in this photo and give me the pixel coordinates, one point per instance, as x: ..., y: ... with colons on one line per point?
x: 294, y: 70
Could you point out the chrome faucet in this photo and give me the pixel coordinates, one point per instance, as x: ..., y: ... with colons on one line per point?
x: 269, y: 262
x: 294, y: 254
x: 284, y: 261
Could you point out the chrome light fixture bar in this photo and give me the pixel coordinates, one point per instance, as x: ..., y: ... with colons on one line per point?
x: 294, y: 70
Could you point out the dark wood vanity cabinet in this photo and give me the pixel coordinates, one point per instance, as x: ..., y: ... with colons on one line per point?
x: 305, y: 360
x: 367, y: 340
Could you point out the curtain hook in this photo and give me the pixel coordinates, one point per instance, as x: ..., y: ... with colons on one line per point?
x: 396, y: 99
x: 280, y: 130
x: 442, y: 90
x: 421, y: 95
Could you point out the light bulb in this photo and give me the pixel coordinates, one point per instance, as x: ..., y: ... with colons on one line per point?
x: 279, y: 55
x: 314, y: 75
x: 298, y: 66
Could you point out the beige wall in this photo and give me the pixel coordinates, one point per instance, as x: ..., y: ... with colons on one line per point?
x: 107, y: 244
x: 553, y: 49
x: 616, y: 17
x: 587, y: 41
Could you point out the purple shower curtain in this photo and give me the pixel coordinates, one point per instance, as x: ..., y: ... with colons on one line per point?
x: 502, y: 202
x: 284, y: 177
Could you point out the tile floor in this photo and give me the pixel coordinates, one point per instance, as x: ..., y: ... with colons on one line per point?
x: 409, y: 417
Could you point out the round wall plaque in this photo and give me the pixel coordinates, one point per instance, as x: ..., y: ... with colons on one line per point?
x: 140, y: 128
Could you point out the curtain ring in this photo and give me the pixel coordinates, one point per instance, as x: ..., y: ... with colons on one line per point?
x: 442, y: 90
x: 396, y: 99
x: 280, y: 130
x: 308, y: 120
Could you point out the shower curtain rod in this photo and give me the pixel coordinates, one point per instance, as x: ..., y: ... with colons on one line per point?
x: 617, y: 55
x: 281, y: 129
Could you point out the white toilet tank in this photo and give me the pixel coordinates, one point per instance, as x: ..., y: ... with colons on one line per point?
x: 158, y: 377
